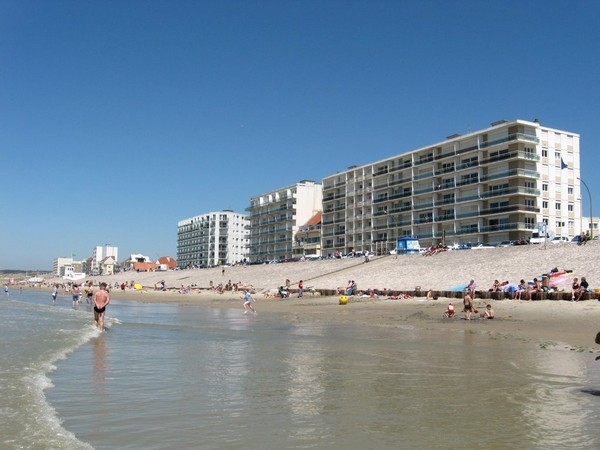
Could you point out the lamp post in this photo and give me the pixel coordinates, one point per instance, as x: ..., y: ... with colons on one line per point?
x: 591, y: 224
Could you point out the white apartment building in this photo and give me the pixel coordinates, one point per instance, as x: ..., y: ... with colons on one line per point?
x: 211, y: 239
x: 488, y: 186
x: 275, y: 218
x: 98, y: 254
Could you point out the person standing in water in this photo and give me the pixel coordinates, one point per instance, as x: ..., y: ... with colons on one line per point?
x: 101, y: 300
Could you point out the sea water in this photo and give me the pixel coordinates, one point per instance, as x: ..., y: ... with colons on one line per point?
x: 174, y: 376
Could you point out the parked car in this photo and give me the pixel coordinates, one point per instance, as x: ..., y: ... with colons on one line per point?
x: 576, y: 239
x: 559, y: 239
x: 505, y: 244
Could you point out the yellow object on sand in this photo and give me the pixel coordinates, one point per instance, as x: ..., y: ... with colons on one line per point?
x: 343, y: 300
x: 137, y: 286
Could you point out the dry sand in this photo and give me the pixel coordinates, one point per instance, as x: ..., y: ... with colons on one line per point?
x: 561, y: 324
x: 439, y: 272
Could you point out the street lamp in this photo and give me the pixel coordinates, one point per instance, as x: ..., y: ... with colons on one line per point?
x: 591, y: 224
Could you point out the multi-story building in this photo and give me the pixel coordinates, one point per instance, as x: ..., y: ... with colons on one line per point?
x: 59, y: 264
x: 211, y: 239
x: 307, y: 241
x: 99, y: 253
x: 275, y: 218
x: 496, y: 184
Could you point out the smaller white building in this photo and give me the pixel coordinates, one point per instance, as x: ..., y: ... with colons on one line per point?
x: 212, y: 239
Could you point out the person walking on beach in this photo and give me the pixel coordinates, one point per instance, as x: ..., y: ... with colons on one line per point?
x: 248, y: 302
x: 76, y: 293
x: 300, y: 289
x: 101, y: 300
x: 468, y: 305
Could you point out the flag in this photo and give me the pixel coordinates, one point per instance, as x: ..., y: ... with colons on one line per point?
x: 563, y: 165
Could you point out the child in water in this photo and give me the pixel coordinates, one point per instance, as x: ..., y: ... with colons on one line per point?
x: 488, y: 313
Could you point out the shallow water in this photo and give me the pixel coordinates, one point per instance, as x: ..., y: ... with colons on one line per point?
x: 170, y: 376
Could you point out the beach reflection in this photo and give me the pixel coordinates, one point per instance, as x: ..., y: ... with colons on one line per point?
x: 305, y: 364
x: 99, y: 346
x: 556, y: 417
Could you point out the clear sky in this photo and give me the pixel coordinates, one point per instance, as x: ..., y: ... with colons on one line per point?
x: 120, y: 118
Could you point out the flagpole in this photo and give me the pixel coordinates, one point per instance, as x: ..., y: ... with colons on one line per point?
x: 591, y: 224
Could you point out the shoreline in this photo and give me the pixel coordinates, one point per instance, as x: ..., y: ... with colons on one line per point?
x: 548, y: 323
x: 574, y: 323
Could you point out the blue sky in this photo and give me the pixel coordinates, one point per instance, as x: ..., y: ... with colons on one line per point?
x: 120, y: 118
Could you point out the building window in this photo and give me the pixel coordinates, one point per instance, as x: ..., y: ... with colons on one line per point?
x: 570, y: 191
x: 557, y: 206
x: 544, y: 152
x: 570, y: 208
x: 545, y: 204
x: 571, y: 224
x: 557, y: 155
x: 545, y: 187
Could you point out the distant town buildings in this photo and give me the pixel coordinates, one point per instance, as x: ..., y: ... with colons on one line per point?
x: 496, y: 184
x: 211, y: 239
x: 59, y: 264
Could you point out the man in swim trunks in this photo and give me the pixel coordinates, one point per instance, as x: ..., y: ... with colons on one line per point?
x: 90, y: 293
x: 468, y: 305
x: 101, y: 299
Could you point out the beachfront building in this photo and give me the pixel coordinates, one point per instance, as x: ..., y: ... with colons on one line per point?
x: 500, y: 183
x: 212, y: 239
x: 59, y: 264
x: 307, y: 242
x: 276, y: 217
x: 99, y: 253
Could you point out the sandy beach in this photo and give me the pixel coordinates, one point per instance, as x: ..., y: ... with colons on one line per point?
x: 550, y: 322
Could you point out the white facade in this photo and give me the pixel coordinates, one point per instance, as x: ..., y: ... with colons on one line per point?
x: 98, y: 254
x: 211, y: 239
x: 276, y: 217
x: 59, y: 263
x: 488, y: 186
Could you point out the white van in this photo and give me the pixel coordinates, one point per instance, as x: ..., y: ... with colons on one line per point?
x: 539, y: 238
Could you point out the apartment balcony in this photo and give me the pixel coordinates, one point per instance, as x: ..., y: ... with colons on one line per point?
x: 445, y: 155
x: 423, y: 205
x: 423, y: 176
x: 509, y: 208
x: 511, y: 173
x: 425, y: 160
x: 444, y: 217
x: 422, y: 220
x: 443, y: 186
x: 514, y: 190
x: 444, y: 170
x: 467, y: 181
x: 401, y: 166
x: 510, y: 138
x: 423, y: 191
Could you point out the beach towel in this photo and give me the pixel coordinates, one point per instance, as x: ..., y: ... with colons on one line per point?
x: 459, y: 288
